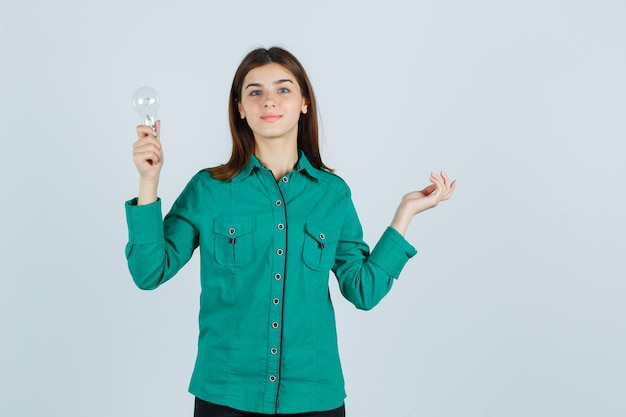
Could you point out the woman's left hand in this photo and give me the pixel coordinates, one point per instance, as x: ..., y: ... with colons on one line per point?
x: 440, y: 189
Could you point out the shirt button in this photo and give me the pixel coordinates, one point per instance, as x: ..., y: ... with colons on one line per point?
x: 272, y: 378
x: 279, y: 252
x: 278, y: 203
x: 275, y: 325
x: 273, y: 351
x: 285, y: 180
x: 231, y: 231
x: 276, y: 301
x: 281, y: 226
x: 322, y: 236
x: 277, y: 277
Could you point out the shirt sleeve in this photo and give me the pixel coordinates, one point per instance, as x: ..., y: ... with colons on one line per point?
x: 158, y: 248
x: 365, y: 278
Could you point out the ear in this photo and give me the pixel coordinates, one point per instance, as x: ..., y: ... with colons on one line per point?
x: 305, y: 106
x: 242, y: 113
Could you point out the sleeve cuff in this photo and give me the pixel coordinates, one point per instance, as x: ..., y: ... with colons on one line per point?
x: 392, y: 252
x: 145, y: 223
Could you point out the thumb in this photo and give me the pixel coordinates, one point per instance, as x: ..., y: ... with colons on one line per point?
x: 158, y: 130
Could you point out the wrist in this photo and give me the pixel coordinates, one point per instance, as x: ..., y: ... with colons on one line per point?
x: 401, y: 220
x: 148, y: 189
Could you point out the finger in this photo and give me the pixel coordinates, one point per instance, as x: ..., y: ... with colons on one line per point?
x: 147, y: 147
x: 446, y: 179
x: 143, y: 131
x: 150, y: 148
x: 158, y: 129
x: 438, y: 183
x: 445, y: 187
x: 148, y: 140
x: 449, y: 191
x: 149, y: 157
x: 436, y: 177
x: 452, y: 187
x: 447, y: 184
x: 428, y: 190
x: 147, y: 153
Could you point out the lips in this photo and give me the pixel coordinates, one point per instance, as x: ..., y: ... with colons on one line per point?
x: 271, y: 117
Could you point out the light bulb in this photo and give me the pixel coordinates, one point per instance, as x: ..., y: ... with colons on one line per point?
x: 146, y: 102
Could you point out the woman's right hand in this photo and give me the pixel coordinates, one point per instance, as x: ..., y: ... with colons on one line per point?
x: 147, y: 152
x: 148, y: 158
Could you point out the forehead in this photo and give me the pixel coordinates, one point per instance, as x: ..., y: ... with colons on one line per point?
x: 268, y: 74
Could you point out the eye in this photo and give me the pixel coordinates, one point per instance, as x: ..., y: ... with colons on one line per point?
x: 255, y: 92
x: 283, y: 90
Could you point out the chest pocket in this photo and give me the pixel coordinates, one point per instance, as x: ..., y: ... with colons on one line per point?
x: 234, y: 240
x: 320, y: 245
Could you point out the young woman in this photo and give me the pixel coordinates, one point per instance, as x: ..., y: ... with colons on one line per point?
x: 270, y: 224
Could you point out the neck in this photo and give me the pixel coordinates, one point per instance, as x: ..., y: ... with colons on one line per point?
x: 278, y: 156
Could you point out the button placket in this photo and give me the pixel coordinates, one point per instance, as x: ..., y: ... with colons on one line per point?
x: 276, y: 290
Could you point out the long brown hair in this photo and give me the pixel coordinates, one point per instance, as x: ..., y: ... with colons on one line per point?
x: 242, y: 136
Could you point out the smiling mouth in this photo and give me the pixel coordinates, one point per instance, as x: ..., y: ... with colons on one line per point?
x: 271, y: 117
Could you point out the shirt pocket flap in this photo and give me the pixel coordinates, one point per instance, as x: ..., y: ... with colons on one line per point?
x: 323, y: 234
x: 234, y: 240
x: 233, y: 227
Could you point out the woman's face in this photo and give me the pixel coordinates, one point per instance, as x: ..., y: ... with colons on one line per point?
x: 271, y: 103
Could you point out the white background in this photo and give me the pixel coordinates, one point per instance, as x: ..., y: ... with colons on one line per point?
x: 516, y: 303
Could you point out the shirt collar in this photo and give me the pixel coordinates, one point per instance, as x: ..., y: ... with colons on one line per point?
x: 247, y: 170
x: 303, y: 164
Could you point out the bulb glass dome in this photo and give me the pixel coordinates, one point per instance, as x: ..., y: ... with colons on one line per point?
x: 146, y: 101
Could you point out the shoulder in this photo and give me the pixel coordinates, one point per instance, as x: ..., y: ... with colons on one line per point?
x: 203, y: 176
x: 333, y: 182
x: 199, y: 187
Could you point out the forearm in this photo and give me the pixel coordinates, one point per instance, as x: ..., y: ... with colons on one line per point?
x: 365, y: 280
x: 157, y: 248
x: 146, y: 264
x: 148, y: 191
x: 401, y: 220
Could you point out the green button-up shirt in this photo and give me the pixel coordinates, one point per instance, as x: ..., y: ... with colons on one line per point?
x: 267, y: 340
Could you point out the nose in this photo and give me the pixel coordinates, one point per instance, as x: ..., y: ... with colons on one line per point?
x: 269, y: 101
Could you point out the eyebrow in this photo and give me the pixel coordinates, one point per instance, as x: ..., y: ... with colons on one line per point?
x: 284, y: 80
